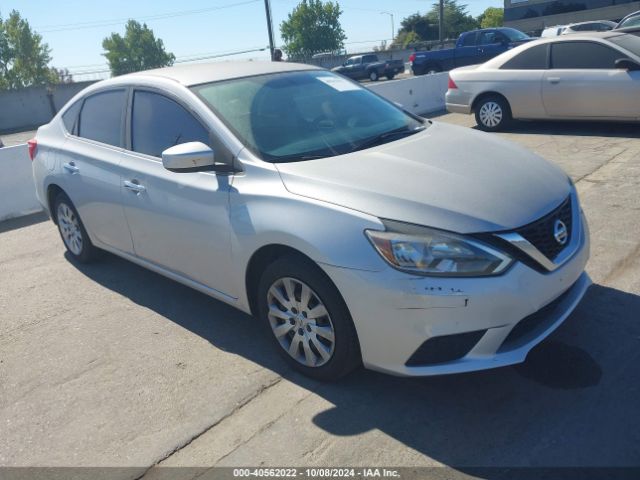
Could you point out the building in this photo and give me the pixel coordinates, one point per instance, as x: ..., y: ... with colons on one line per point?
x: 532, y: 16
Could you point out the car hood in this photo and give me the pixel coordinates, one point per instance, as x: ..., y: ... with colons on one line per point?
x: 446, y: 177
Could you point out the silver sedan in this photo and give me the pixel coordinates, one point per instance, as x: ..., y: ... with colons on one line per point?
x: 594, y: 76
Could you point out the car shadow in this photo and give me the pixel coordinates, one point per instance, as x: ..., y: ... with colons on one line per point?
x: 573, y: 403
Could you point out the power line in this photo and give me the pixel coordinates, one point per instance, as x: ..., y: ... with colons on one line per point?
x: 120, y: 21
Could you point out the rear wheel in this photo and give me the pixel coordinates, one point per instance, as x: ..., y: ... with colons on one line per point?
x: 432, y: 69
x: 72, y: 230
x: 492, y: 113
x: 308, y: 319
x: 391, y: 75
x: 373, y: 76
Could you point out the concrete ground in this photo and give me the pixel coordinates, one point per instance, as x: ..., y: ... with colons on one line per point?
x: 17, y: 138
x: 112, y: 365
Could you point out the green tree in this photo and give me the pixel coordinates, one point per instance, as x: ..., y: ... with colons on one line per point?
x: 313, y: 27
x: 492, y: 17
x: 456, y: 20
x: 139, y: 49
x: 24, y: 58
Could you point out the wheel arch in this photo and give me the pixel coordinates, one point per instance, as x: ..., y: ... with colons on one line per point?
x: 484, y: 95
x: 52, y: 192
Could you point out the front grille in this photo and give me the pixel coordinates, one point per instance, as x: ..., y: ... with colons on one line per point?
x: 536, y: 322
x: 541, y: 232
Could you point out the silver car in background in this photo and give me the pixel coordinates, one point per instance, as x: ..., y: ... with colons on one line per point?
x: 592, y: 76
x: 355, y: 231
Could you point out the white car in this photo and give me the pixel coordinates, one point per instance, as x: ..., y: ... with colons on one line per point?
x: 357, y: 232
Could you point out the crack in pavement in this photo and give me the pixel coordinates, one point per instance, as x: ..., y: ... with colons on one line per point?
x: 238, y: 406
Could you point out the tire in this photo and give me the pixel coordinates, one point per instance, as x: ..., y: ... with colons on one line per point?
x: 320, y: 335
x: 373, y: 76
x: 492, y: 113
x: 72, y: 231
x: 432, y: 69
x: 391, y: 75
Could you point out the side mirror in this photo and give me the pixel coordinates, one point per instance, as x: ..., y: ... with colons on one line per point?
x: 627, y: 64
x: 188, y: 157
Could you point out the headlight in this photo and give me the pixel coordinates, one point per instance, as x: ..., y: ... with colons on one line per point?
x: 427, y: 251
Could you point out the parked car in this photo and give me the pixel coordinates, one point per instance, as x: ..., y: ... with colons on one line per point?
x: 630, y: 21
x: 1, y: 144
x: 554, y: 31
x: 473, y: 47
x: 573, y: 77
x: 594, y: 26
x: 355, y: 231
x: 369, y: 66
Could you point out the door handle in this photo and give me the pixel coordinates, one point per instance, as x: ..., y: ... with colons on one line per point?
x: 71, y: 167
x: 134, y: 186
x: 554, y: 80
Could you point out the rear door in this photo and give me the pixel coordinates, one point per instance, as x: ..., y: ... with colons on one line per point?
x: 91, y: 170
x: 466, y: 51
x: 491, y: 43
x: 583, y: 82
x: 179, y: 221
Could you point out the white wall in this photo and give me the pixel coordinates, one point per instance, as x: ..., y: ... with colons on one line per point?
x: 420, y: 95
x: 17, y: 192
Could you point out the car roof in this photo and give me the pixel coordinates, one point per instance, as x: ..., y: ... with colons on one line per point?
x: 608, y: 22
x: 198, y: 73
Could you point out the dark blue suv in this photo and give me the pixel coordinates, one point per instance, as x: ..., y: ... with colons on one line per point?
x: 473, y: 47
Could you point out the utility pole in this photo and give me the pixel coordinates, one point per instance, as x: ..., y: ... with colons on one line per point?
x: 441, y: 22
x: 267, y: 7
x: 393, y: 26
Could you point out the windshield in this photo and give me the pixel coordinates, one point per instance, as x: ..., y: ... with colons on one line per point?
x: 628, y: 42
x: 514, y: 35
x: 633, y: 21
x: 296, y: 116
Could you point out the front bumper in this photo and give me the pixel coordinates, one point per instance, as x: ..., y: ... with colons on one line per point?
x: 396, y: 313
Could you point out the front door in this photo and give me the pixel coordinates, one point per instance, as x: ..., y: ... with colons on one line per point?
x: 178, y: 221
x: 584, y: 83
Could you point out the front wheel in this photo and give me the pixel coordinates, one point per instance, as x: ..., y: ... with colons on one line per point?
x: 308, y: 319
x: 72, y: 230
x: 391, y: 75
x: 373, y: 76
x: 492, y: 113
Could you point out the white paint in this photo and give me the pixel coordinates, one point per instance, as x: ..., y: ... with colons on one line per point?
x: 17, y: 191
x: 420, y: 95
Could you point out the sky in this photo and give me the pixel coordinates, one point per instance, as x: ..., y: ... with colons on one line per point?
x: 192, y: 29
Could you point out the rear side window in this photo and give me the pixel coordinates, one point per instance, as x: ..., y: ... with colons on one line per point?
x: 583, y: 55
x: 534, y: 58
x: 70, y: 117
x: 469, y: 40
x: 158, y: 123
x: 101, y: 117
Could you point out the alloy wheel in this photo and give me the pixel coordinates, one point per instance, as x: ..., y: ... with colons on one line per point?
x: 491, y: 114
x: 300, y: 322
x: 70, y: 228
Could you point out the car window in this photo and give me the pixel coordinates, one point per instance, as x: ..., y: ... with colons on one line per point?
x: 488, y: 38
x: 158, y: 123
x: 70, y: 117
x: 101, y: 117
x: 469, y: 40
x: 351, y: 61
x: 631, y: 22
x: 296, y: 116
x: 370, y: 59
x: 583, y: 55
x: 534, y: 58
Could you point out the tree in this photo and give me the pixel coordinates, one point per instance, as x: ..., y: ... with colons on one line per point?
x: 491, y: 17
x: 425, y: 27
x: 24, y: 58
x: 137, y: 50
x: 313, y: 27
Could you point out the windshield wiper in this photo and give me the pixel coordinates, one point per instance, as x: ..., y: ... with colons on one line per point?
x: 380, y: 139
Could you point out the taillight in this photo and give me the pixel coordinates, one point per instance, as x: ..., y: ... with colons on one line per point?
x: 33, y: 144
x: 412, y: 57
x: 452, y: 84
